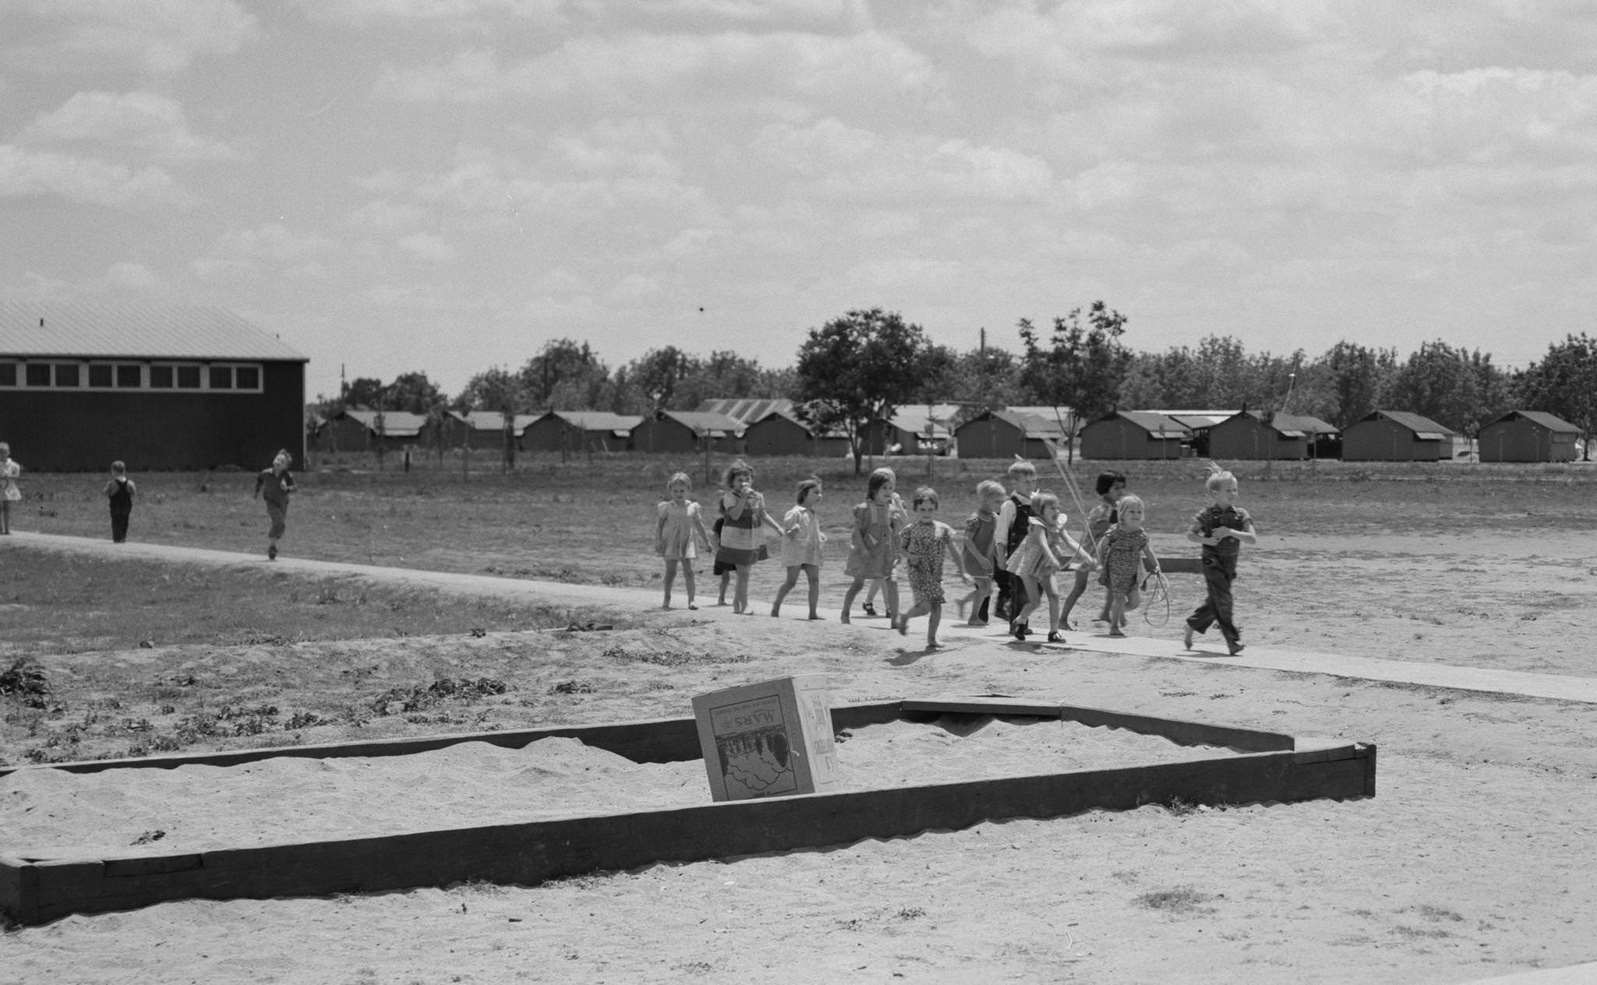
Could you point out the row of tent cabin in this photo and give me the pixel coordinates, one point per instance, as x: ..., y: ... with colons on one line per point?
x: 1028, y: 432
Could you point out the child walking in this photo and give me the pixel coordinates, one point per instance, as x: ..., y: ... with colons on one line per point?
x: 10, y: 469
x: 1010, y: 533
x: 1039, y: 555
x: 723, y: 572
x: 120, y: 491
x: 802, y: 538
x: 980, y: 551
x: 743, y: 510
x: 678, y: 532
x: 1120, y: 555
x: 1111, y: 485
x: 1222, y: 528
x: 925, y: 542
x: 873, y: 547
x: 274, y: 485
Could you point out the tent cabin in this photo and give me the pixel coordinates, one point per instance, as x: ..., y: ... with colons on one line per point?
x: 362, y: 429
x: 1528, y: 436
x: 1133, y: 434
x: 679, y: 431
x: 1251, y: 435
x: 1005, y: 433
x: 920, y: 429
x: 1396, y: 436
x: 579, y: 431
x: 488, y: 429
x: 158, y: 386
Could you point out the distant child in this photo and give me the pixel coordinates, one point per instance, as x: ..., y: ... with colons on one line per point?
x: 925, y: 542
x: 873, y: 546
x: 1111, y: 485
x: 801, y: 546
x: 1010, y: 533
x: 10, y: 468
x: 120, y: 491
x: 274, y: 485
x: 1121, y: 552
x: 678, y: 533
x: 1222, y: 529
x: 1044, y: 550
x: 743, y: 510
x: 980, y: 551
x: 721, y: 570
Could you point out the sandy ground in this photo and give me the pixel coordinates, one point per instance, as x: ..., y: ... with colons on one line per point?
x: 1472, y: 861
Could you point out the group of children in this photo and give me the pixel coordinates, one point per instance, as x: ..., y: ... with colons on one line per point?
x: 1014, y: 544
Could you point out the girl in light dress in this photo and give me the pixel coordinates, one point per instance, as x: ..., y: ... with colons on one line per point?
x: 802, y: 538
x: 1121, y: 551
x: 678, y: 534
x: 743, y: 515
x: 925, y: 543
x: 873, y: 548
x: 1045, y: 549
x: 9, y: 493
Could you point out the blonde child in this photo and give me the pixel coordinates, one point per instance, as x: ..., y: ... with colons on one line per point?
x: 1121, y: 552
x: 1111, y: 485
x: 802, y: 538
x: 873, y: 546
x: 980, y: 551
x: 678, y: 532
x: 119, y: 493
x: 925, y: 542
x: 274, y: 485
x: 743, y: 510
x: 1010, y: 533
x: 1042, y: 552
x: 10, y: 469
x: 1222, y: 528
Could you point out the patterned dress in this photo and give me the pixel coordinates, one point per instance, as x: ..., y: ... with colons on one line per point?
x: 1029, y: 559
x: 740, y: 535
x: 681, y: 528
x: 924, y: 545
x: 873, y: 549
x: 1120, y: 553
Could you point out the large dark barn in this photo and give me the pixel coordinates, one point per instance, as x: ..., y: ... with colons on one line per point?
x: 158, y: 386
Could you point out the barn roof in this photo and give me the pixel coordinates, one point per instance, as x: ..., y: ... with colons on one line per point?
x: 396, y: 423
x: 596, y: 420
x: 1541, y: 417
x: 1290, y: 425
x: 1155, y: 423
x: 717, y: 425
x: 747, y: 410
x: 1032, y: 425
x: 493, y: 420
x: 1196, y: 420
x: 1422, y: 426
x: 90, y: 330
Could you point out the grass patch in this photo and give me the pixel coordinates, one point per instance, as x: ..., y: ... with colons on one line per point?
x: 1182, y: 899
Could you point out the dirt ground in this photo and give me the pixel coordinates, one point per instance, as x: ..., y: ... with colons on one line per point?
x: 1473, y: 860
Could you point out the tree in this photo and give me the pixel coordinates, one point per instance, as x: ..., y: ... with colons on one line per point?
x: 413, y: 393
x: 1564, y: 383
x: 362, y: 391
x: 499, y: 391
x: 1356, y: 379
x: 1441, y: 383
x: 1082, y: 367
x: 855, y: 370
x: 657, y: 374
x: 566, y: 375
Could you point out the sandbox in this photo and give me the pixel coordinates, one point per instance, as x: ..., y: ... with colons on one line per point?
x: 526, y: 806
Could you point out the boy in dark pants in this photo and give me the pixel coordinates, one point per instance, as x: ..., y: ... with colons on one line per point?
x: 120, y: 491
x: 1013, y: 523
x: 1222, y: 529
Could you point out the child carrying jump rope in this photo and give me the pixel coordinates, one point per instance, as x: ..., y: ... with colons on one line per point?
x: 1010, y: 532
x: 1222, y: 528
x: 1045, y: 549
x: 678, y: 532
x: 925, y: 543
x: 1121, y: 552
x: 1111, y: 485
x: 802, y: 538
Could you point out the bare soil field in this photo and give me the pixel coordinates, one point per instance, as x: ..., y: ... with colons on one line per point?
x: 1471, y: 861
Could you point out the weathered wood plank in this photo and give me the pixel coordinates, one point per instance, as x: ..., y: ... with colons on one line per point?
x: 1185, y: 733
x: 1010, y: 707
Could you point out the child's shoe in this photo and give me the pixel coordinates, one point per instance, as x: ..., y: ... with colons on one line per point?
x: 1117, y: 633
x: 868, y: 608
x: 271, y: 552
x: 901, y: 623
x: 1234, y: 647
x: 1056, y: 637
x: 1186, y: 637
x: 1021, y: 631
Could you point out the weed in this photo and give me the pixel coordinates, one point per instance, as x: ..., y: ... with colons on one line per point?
x: 26, y: 680
x: 1183, y: 899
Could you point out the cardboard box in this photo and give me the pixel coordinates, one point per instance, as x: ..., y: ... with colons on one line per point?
x: 768, y: 739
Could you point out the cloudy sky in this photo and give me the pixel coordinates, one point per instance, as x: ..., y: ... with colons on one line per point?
x: 447, y: 185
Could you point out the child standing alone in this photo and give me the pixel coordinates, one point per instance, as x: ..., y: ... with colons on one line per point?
x: 10, y: 469
x: 1121, y: 552
x: 925, y: 542
x: 677, y: 532
x: 120, y: 491
x: 274, y: 486
x: 802, y: 538
x: 1222, y: 528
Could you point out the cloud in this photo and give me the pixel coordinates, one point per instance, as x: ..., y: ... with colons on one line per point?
x: 429, y: 247
x: 144, y: 121
x: 159, y: 36
x: 276, y: 243
x: 30, y: 174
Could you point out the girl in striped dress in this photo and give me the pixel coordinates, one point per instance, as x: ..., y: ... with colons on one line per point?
x: 743, y: 517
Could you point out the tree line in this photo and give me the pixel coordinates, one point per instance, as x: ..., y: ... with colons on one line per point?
x: 868, y: 362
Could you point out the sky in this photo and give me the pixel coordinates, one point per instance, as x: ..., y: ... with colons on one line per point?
x: 449, y: 185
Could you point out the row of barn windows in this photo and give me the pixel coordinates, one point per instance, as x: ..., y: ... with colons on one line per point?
x: 204, y: 377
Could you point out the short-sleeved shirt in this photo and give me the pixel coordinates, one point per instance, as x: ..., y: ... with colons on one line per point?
x: 1211, y: 518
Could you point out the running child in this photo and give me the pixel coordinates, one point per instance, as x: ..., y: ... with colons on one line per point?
x: 274, y: 485
x: 802, y: 538
x: 979, y: 552
x: 1111, y: 485
x: 873, y: 546
x: 120, y: 492
x: 1121, y: 552
x: 1222, y: 528
x: 1010, y: 533
x: 925, y: 542
x: 1044, y: 550
x: 743, y: 509
x: 10, y: 469
x: 678, y: 532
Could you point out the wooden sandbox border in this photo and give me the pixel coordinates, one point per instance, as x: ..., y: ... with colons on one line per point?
x: 1267, y: 767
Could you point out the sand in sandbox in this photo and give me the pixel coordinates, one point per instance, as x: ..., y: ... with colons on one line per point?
x: 290, y: 799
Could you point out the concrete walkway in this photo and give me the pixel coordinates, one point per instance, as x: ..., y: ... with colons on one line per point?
x: 1551, y: 686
